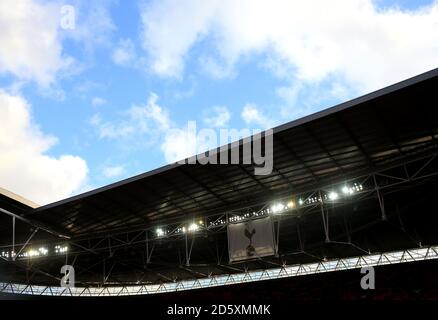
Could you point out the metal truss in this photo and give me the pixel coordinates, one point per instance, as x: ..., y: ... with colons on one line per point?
x: 374, y: 185
x: 373, y: 260
x: 32, y: 223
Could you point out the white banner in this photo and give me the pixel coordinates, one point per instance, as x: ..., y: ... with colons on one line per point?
x: 251, y: 239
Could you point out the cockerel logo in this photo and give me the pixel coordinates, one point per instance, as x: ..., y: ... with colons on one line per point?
x: 250, y: 250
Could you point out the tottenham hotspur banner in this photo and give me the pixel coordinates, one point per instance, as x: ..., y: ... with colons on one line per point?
x: 251, y: 239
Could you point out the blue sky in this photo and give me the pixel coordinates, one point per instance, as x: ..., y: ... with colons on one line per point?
x: 86, y: 106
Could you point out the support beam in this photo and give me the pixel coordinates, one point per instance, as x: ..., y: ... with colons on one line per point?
x: 13, y: 234
x: 149, y: 251
x: 300, y: 240
x: 380, y: 198
x: 34, y: 224
x: 277, y: 240
x: 25, y: 244
x: 189, y: 250
x: 324, y: 215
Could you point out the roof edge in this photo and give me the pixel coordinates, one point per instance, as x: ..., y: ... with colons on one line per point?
x: 18, y: 198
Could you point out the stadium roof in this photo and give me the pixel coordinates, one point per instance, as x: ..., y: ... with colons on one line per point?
x: 375, y: 130
x: 389, y: 134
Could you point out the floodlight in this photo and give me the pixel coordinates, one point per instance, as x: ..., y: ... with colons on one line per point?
x: 277, y: 207
x: 32, y: 253
x: 193, y: 227
x: 333, y: 195
x: 290, y: 204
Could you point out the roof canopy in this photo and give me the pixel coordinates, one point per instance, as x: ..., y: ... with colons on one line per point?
x: 376, y: 130
x: 389, y: 135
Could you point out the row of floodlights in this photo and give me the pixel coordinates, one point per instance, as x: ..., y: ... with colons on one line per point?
x: 192, y: 227
x: 249, y: 215
x: 330, y: 196
x: 31, y: 253
x: 276, y: 208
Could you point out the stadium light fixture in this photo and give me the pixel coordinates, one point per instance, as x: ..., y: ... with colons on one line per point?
x: 333, y: 195
x: 357, y: 187
x: 159, y: 232
x: 347, y: 190
x: 277, y: 208
x: 32, y: 253
x: 193, y: 227
x: 61, y: 249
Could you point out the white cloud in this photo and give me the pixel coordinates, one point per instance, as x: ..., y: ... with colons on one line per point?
x: 113, y: 171
x: 124, y: 54
x: 367, y: 46
x: 217, y: 116
x: 168, y: 34
x: 304, y: 98
x: 151, y: 123
x: 32, y: 39
x: 109, y: 130
x: 94, y: 25
x: 98, y: 101
x: 31, y: 46
x: 150, y: 116
x: 95, y: 120
x: 252, y: 115
x: 25, y: 166
x: 217, y: 69
x: 180, y: 143
x: 177, y: 144
x: 138, y: 119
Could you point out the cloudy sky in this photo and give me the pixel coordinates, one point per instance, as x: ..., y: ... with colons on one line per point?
x: 107, y: 97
